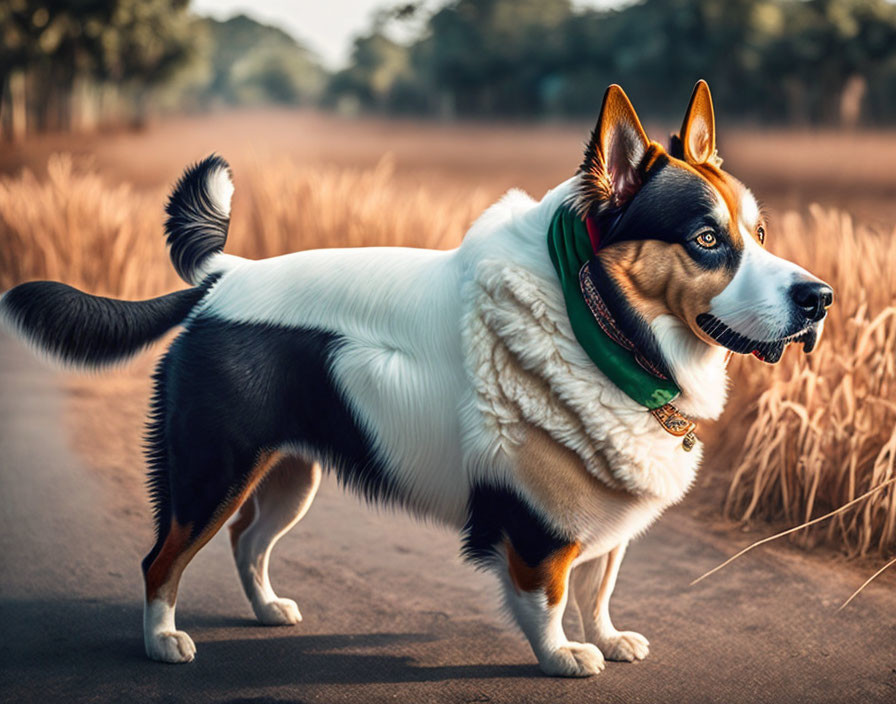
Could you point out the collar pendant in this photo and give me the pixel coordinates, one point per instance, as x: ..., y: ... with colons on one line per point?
x: 674, y: 423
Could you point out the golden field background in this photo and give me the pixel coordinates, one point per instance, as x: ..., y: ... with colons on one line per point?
x: 798, y: 439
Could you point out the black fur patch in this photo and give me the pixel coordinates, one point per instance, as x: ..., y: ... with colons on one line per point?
x: 673, y: 206
x: 156, y: 453
x: 676, y: 147
x: 195, y: 228
x: 496, y: 514
x: 227, y: 392
x: 81, y: 328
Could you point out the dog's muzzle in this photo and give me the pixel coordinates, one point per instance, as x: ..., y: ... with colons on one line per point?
x: 768, y: 350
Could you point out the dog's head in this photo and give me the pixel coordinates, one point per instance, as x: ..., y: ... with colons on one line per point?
x: 675, y: 234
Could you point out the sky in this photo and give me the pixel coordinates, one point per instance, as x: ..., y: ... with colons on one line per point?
x: 325, y: 26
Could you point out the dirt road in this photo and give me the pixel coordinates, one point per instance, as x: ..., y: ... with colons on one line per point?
x: 391, y: 614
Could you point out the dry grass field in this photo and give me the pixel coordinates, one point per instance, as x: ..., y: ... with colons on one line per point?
x: 798, y: 439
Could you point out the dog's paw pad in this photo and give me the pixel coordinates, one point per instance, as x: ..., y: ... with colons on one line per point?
x: 175, y: 646
x: 279, y: 612
x: 574, y: 660
x: 627, y: 646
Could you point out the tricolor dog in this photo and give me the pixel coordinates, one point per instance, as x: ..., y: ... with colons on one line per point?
x: 535, y: 388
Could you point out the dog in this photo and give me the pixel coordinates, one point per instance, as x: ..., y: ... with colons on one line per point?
x: 536, y: 388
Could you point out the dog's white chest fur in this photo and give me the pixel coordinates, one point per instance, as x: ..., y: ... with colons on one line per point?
x: 528, y: 370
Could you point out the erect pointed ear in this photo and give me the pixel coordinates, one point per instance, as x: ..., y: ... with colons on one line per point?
x: 618, y: 143
x: 698, y: 131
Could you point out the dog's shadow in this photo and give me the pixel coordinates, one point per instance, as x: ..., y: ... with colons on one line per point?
x: 322, y: 659
x: 75, y: 636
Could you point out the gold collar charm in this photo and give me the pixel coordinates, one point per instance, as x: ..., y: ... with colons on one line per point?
x: 674, y: 423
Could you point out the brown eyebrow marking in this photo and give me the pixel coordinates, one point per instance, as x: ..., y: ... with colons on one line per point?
x: 729, y: 189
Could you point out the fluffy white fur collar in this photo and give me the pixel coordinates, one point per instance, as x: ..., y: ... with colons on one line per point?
x: 527, y: 367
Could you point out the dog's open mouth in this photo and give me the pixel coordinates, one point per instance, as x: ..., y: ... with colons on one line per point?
x: 769, y: 351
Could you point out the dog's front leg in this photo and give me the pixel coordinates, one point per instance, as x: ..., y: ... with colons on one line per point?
x: 536, y: 595
x: 593, y: 583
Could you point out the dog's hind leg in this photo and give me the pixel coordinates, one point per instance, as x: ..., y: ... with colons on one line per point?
x: 228, y: 397
x: 189, y: 527
x: 277, y: 505
x: 593, y: 583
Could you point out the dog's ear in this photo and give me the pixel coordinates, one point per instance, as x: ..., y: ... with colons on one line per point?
x: 696, y: 143
x: 610, y: 173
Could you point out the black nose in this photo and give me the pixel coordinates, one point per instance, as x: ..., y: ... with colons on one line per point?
x: 812, y: 298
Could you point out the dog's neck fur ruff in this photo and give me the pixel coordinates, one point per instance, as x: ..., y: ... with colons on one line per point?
x: 529, y: 368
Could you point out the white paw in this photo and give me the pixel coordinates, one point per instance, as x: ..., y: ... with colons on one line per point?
x: 175, y: 646
x: 627, y: 646
x: 573, y: 660
x: 279, y: 612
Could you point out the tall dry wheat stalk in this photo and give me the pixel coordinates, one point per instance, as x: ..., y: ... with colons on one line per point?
x: 292, y: 208
x: 821, y: 430
x: 76, y: 228
x: 108, y: 239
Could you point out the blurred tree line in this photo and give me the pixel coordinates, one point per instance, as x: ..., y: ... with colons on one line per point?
x: 82, y: 64
x: 794, y: 61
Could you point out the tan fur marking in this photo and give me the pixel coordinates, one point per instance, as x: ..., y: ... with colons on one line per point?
x: 164, y: 573
x: 550, y: 575
x: 160, y: 571
x: 557, y: 478
x: 654, y: 152
x: 731, y: 191
x: 243, y: 520
x: 659, y: 277
x: 558, y: 481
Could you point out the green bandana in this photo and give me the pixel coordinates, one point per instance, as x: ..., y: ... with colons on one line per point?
x: 570, y: 249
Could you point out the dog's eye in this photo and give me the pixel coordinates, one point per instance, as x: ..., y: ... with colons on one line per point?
x: 707, y: 239
x: 760, y: 234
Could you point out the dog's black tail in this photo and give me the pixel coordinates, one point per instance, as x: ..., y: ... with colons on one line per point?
x: 84, y: 330
x: 198, y: 217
